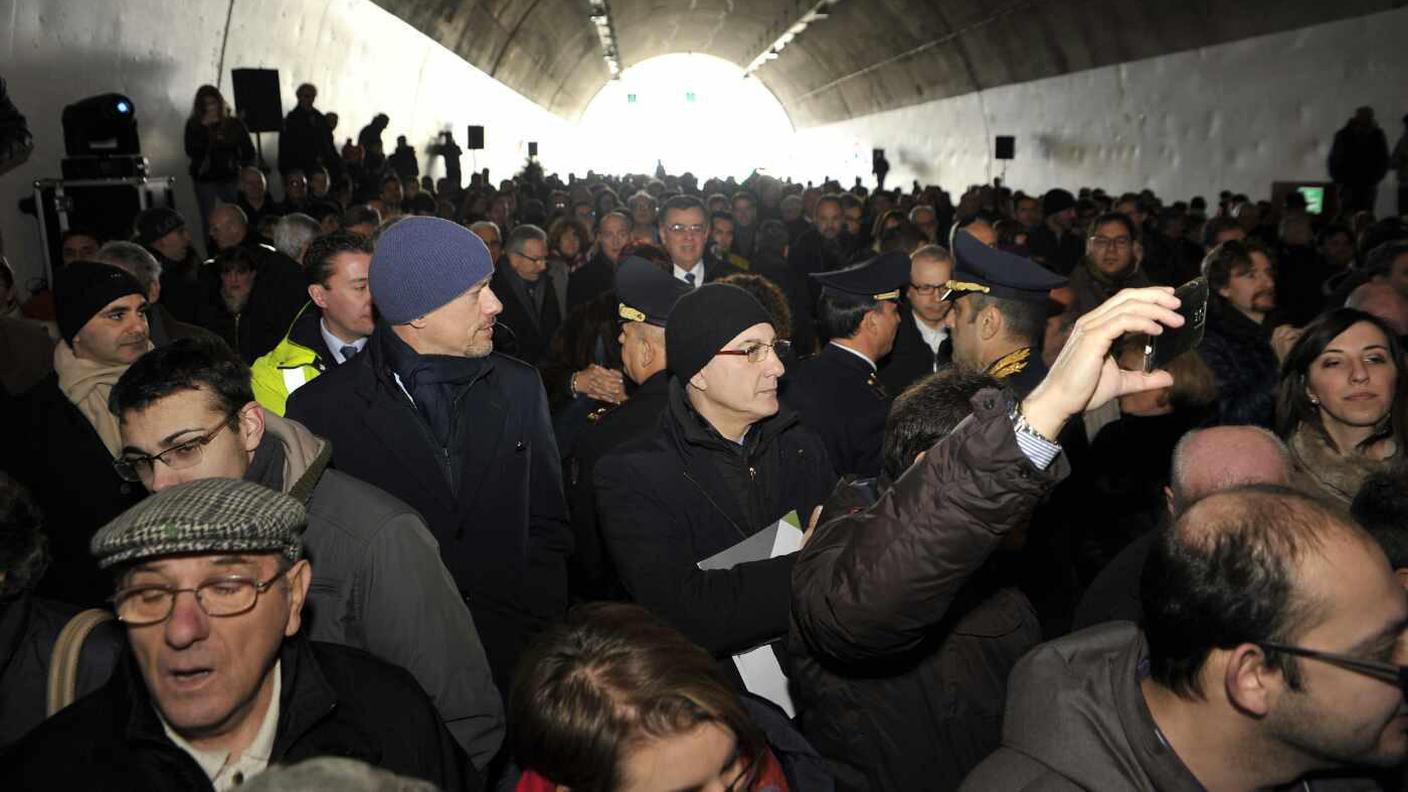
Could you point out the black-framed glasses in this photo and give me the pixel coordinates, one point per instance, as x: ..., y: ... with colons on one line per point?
x: 927, y: 289
x: 139, y: 467
x: 534, y: 259
x: 1387, y: 672
x: 140, y: 606
x: 757, y: 351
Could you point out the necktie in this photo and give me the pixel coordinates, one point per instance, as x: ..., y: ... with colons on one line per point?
x: 348, y: 352
x: 689, y: 278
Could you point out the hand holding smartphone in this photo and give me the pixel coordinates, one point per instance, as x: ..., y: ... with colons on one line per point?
x: 1193, y: 306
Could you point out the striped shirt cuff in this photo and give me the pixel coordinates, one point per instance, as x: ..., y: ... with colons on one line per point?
x: 1038, y: 451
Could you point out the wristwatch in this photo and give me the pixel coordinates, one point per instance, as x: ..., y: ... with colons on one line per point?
x: 1020, y: 425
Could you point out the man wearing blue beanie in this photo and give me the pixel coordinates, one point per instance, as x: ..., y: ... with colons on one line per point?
x: 430, y: 413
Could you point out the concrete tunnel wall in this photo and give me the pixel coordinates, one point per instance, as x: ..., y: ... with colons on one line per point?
x: 1234, y: 116
x: 363, y: 59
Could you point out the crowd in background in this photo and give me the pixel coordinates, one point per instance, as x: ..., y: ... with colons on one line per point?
x: 490, y: 484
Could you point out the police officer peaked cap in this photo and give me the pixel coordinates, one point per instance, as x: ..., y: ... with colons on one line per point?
x: 979, y: 269
x: 879, y: 278
x: 645, y: 293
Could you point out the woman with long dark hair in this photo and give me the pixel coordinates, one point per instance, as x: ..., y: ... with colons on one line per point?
x: 1341, y: 407
x: 218, y: 144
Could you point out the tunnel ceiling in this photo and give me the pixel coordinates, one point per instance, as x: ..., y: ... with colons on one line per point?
x: 865, y: 56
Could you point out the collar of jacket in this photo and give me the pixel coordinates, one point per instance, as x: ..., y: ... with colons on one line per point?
x: 383, y: 351
x: 293, y: 458
x: 688, y: 427
x: 1232, y: 322
x: 307, y: 698
x: 305, y: 344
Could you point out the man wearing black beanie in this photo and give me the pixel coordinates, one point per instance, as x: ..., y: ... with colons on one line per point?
x: 67, y: 435
x: 725, y: 464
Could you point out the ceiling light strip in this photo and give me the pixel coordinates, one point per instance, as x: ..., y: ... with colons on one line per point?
x: 815, y: 14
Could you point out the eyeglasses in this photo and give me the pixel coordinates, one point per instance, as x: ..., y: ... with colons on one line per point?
x: 927, y: 288
x: 226, y: 596
x: 1120, y: 243
x: 534, y: 259
x: 1387, y: 672
x: 681, y: 228
x: 757, y: 352
x: 139, y: 467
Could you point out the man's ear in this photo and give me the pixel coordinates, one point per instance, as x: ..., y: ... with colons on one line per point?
x: 251, y: 429
x: 300, y: 577
x: 1402, y: 574
x: 318, y: 295
x: 1251, y: 685
x: 1168, y: 500
x: 698, y: 380
x: 989, y: 323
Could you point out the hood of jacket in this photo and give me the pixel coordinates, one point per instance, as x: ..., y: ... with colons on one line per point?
x: 304, y: 455
x: 1075, y: 706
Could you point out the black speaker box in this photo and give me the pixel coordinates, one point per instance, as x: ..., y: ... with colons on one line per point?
x: 476, y: 138
x: 101, y: 126
x: 1006, y: 147
x: 257, y: 99
x: 533, y: 148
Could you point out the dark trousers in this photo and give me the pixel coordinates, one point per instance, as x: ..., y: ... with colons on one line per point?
x: 1357, y: 197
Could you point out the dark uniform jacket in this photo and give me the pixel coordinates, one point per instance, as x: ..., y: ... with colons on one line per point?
x: 60, y: 458
x: 911, y: 359
x: 493, y: 500
x: 903, y: 631
x: 591, y: 574
x: 685, y: 493
x: 836, y: 395
x: 530, y: 327
x: 1021, y: 373
x: 335, y: 701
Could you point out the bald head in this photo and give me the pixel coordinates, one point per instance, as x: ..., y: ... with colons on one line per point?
x: 1381, y: 299
x: 228, y: 225
x: 1207, y: 461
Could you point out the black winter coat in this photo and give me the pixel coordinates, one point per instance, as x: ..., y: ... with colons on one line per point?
x: 837, y: 396
x: 903, y: 630
x: 530, y: 329
x: 685, y: 493
x: 335, y: 701
x: 279, y: 294
x: 912, y: 359
x: 67, y: 468
x: 503, y: 531
x: 305, y: 143
x: 1239, y: 353
x: 218, y: 151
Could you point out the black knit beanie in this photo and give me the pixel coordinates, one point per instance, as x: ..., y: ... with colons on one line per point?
x: 83, y: 288
x: 704, y: 321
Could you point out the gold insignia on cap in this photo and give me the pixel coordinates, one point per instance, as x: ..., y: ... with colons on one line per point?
x: 630, y: 314
x: 964, y: 286
x: 889, y: 295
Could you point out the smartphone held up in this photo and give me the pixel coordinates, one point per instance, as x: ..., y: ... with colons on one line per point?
x: 1174, y: 341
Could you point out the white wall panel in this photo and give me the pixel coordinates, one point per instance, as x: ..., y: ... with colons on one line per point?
x: 363, y: 59
x: 1236, y: 116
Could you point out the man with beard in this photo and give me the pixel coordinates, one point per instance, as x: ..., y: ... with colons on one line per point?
x: 998, y: 319
x: 67, y: 435
x: 922, y: 344
x: 331, y: 330
x: 251, y: 307
x: 431, y: 414
x: 822, y: 248
x: 1272, y: 637
x: 164, y: 234
x: 584, y: 285
x: 1112, y: 260
x: 1052, y: 244
x: 1236, y: 343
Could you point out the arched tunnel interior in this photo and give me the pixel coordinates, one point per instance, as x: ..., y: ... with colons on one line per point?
x: 1185, y: 98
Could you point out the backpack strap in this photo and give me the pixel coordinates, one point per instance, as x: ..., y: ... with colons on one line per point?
x: 63, y: 666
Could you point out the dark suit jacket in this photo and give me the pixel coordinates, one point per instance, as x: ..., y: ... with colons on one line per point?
x: 837, y: 397
x: 530, y: 329
x: 503, y: 532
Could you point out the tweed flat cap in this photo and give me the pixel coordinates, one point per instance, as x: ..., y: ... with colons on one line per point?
x: 204, y: 517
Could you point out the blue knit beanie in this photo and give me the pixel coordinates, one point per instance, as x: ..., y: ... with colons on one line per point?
x: 421, y: 263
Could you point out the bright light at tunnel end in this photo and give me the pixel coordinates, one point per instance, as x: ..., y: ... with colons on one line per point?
x: 692, y: 112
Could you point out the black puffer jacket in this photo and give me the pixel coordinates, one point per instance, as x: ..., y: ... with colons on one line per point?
x: 685, y: 493
x: 903, y: 630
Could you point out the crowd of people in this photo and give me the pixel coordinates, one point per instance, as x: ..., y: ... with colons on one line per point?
x: 636, y: 482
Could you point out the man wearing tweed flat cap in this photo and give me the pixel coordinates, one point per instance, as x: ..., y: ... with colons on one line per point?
x: 220, y: 684
x: 429, y: 412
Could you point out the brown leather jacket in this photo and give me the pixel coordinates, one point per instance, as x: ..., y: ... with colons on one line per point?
x: 903, y: 627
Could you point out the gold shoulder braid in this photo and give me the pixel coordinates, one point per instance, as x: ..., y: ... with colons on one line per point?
x: 1010, y: 363
x: 874, y: 383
